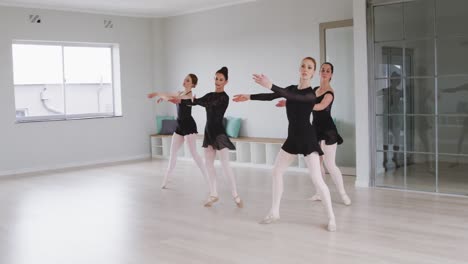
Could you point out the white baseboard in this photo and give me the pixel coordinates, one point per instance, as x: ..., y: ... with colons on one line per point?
x: 74, y: 165
x: 362, y: 183
x: 347, y: 171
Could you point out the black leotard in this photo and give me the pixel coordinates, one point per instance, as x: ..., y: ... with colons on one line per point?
x: 301, y: 134
x: 323, y: 122
x: 215, y: 133
x: 185, y: 123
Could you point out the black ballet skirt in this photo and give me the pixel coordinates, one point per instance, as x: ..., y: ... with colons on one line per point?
x: 302, y: 138
x: 185, y: 123
x: 323, y: 122
x: 215, y: 133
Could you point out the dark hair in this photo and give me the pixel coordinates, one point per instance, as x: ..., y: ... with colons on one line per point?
x: 313, y: 60
x: 331, y: 65
x: 194, y: 79
x: 223, y: 71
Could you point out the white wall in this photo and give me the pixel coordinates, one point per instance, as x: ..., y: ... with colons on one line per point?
x: 266, y: 36
x: 361, y: 86
x: 44, y: 145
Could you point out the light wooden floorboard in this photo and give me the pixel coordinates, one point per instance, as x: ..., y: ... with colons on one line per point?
x: 117, y: 214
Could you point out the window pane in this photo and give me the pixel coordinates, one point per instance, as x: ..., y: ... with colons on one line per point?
x: 420, y: 172
x: 37, y: 71
x: 419, y: 19
x: 452, y: 174
x: 388, y: 60
x: 389, y: 133
x: 452, y: 55
x: 420, y: 133
x: 389, y: 96
x: 453, y: 95
x: 419, y: 56
x: 388, y: 22
x: 389, y: 173
x: 453, y: 134
x: 451, y: 17
x: 88, y: 74
x: 420, y: 96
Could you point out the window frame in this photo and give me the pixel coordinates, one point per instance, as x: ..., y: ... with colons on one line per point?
x: 115, y: 66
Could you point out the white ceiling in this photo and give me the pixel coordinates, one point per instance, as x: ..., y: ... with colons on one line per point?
x: 143, y: 8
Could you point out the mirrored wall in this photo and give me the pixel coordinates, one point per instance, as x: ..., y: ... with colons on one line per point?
x: 419, y: 82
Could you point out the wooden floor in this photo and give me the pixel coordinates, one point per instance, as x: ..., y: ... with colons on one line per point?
x: 117, y: 214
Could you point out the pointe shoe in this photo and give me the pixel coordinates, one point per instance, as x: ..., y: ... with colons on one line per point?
x: 331, y: 226
x: 316, y: 197
x: 269, y: 219
x: 211, y: 200
x: 239, y: 202
x: 346, y: 199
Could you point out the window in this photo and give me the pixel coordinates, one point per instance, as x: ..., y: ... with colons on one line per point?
x: 65, y: 81
x: 419, y: 83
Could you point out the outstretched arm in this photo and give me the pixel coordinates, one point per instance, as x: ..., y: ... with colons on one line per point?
x: 257, y: 97
x: 264, y: 96
x: 181, y: 97
x: 292, y: 96
x: 264, y: 81
x: 168, y: 96
x: 152, y: 95
x: 325, y: 103
x: 456, y: 89
x: 205, y: 101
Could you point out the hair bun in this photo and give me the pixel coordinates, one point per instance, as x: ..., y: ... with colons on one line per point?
x: 223, y: 71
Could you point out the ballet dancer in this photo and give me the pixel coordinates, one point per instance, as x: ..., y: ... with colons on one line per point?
x: 301, y: 137
x: 215, y: 139
x: 186, y: 128
x: 327, y: 134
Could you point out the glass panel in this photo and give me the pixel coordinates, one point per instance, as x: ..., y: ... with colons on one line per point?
x: 452, y: 174
x: 420, y: 96
x: 419, y: 56
x: 420, y: 172
x: 453, y: 95
x: 88, y: 74
x: 452, y: 55
x: 389, y: 96
x: 388, y: 60
x: 453, y: 134
x: 388, y: 22
x: 388, y: 172
x: 389, y: 133
x: 451, y: 17
x: 419, y: 19
x: 420, y: 134
x: 409, y: 123
x: 38, y: 80
x: 339, y: 49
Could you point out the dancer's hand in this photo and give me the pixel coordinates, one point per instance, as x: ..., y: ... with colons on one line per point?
x: 159, y: 100
x: 151, y: 95
x: 263, y: 80
x: 281, y: 103
x: 241, y: 97
x: 175, y: 100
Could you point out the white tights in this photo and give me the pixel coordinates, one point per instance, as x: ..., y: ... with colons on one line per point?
x: 283, y: 160
x: 177, y: 142
x: 210, y: 155
x: 335, y: 173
